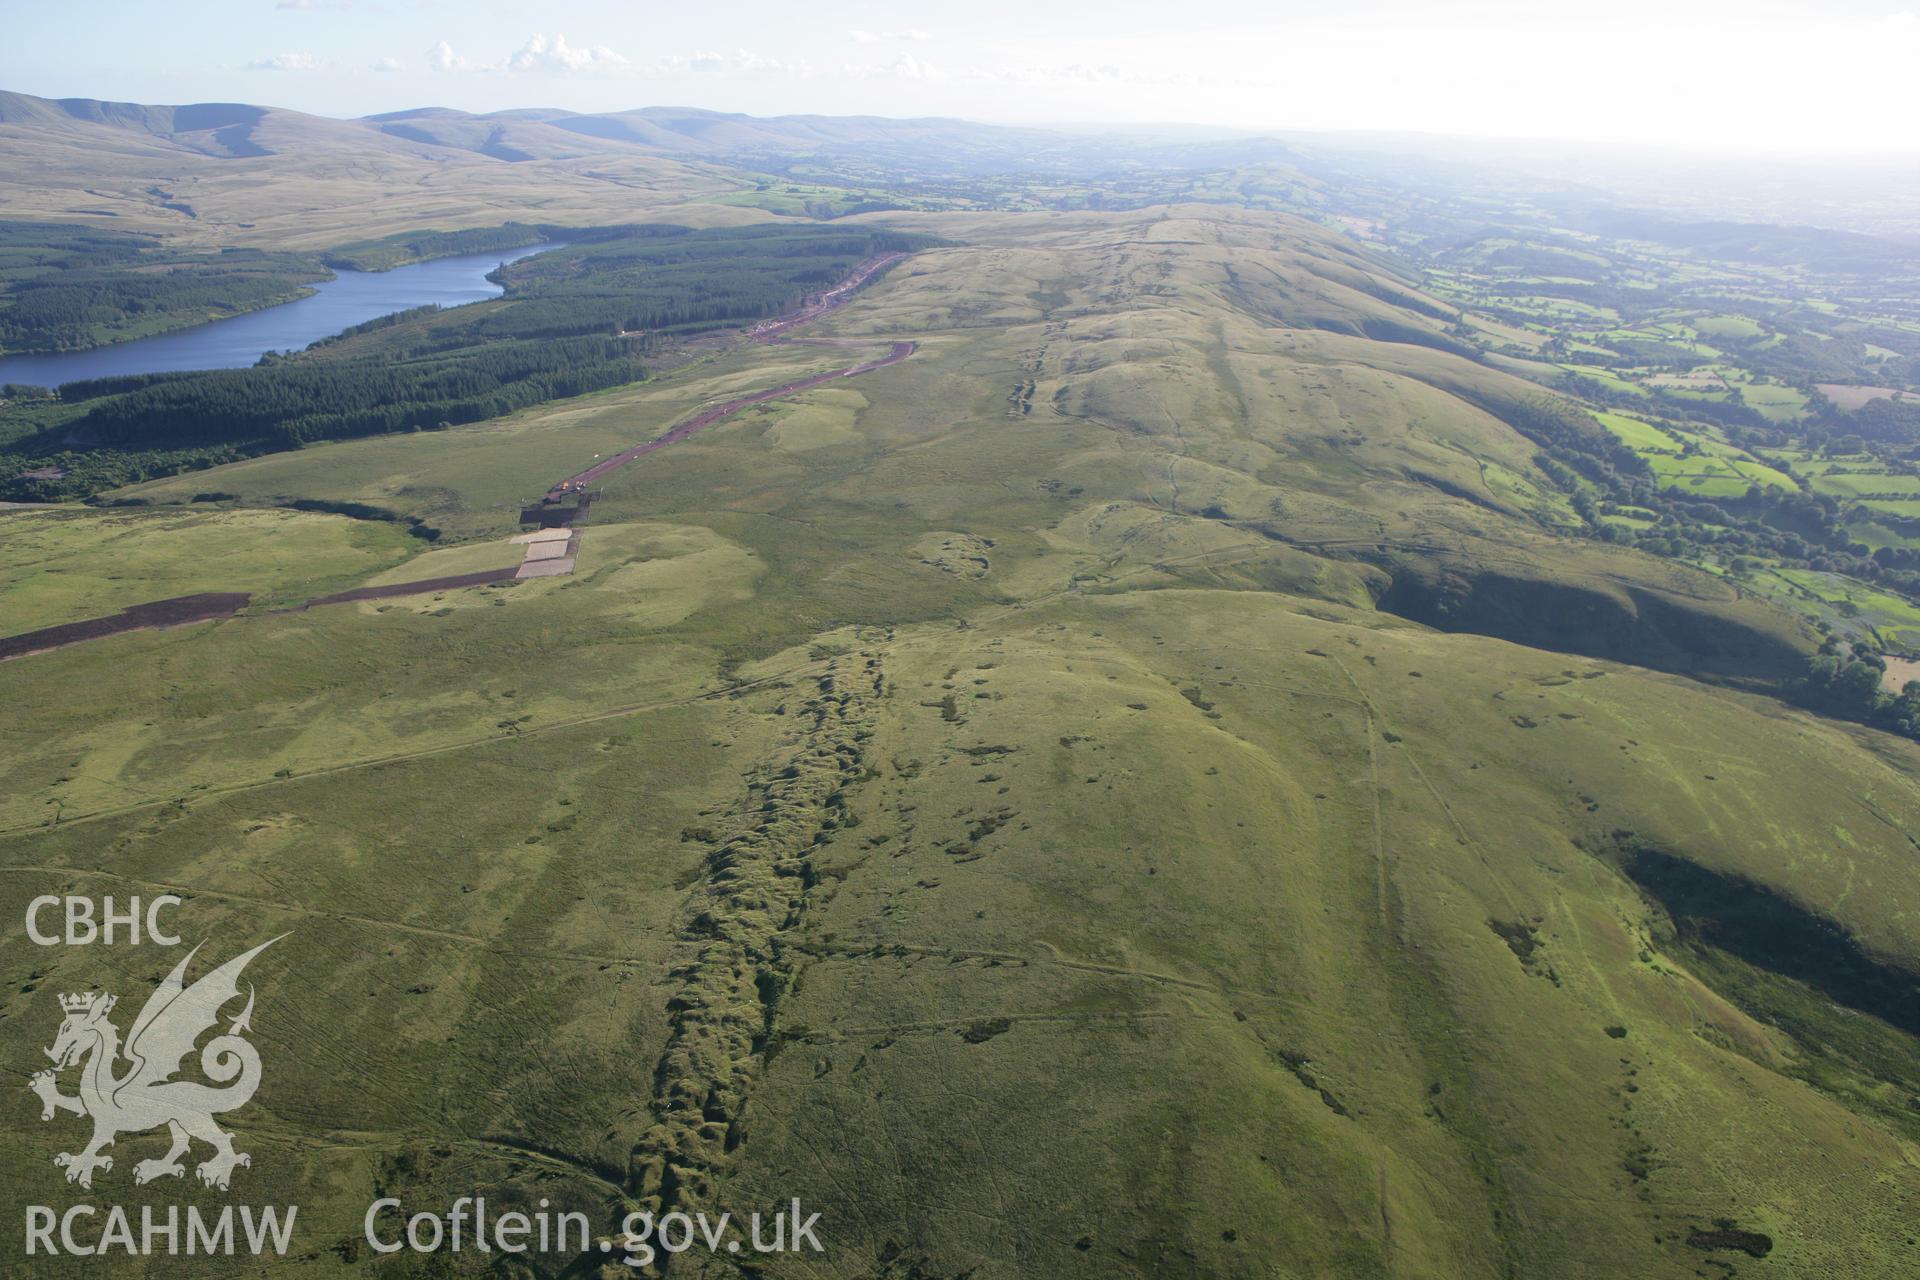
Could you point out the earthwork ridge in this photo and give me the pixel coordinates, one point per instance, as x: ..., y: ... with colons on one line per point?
x: 755, y: 887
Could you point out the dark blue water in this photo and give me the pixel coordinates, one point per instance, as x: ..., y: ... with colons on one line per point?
x: 352, y: 297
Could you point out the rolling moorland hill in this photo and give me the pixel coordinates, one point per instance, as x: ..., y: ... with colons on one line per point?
x: 226, y: 174
x: 691, y: 131
x: 194, y: 172
x: 1139, y: 787
x: 234, y: 130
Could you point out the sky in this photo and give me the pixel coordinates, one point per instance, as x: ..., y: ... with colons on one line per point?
x: 1753, y: 78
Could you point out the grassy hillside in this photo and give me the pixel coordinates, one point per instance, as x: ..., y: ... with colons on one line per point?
x: 1069, y: 803
x: 67, y: 565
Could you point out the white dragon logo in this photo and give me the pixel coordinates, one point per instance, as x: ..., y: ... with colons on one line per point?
x: 146, y: 1096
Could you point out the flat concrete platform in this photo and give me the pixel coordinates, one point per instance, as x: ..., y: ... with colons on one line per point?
x: 545, y: 568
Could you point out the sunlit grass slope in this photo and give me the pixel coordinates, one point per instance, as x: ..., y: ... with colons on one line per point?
x: 1069, y: 804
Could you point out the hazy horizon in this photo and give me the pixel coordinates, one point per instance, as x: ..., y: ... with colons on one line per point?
x: 1704, y: 76
x: 1360, y: 139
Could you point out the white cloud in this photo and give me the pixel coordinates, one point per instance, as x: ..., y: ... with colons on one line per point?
x: 389, y: 64
x: 309, y: 6
x: 1103, y: 73
x: 442, y: 58
x: 740, y: 61
x: 904, y: 66
x: 887, y: 37
x: 540, y: 55
x: 558, y: 57
x: 702, y: 61
x: 286, y: 62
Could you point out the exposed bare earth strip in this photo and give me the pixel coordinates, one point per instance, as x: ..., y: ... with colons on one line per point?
x: 155, y: 615
x: 483, y: 578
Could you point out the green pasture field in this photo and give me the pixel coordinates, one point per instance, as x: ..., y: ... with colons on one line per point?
x: 1776, y: 402
x: 1854, y: 483
x: 1716, y: 470
x: 1894, y: 619
x: 1727, y: 326
x: 1904, y: 508
x: 1605, y: 378
x: 69, y: 564
x: 1637, y: 435
x: 1876, y: 534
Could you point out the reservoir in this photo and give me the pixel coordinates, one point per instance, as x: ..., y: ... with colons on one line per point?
x: 350, y: 298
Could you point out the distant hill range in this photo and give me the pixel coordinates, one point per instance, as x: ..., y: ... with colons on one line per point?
x: 143, y: 164
x: 694, y: 133
x: 238, y: 131
x: 233, y: 173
